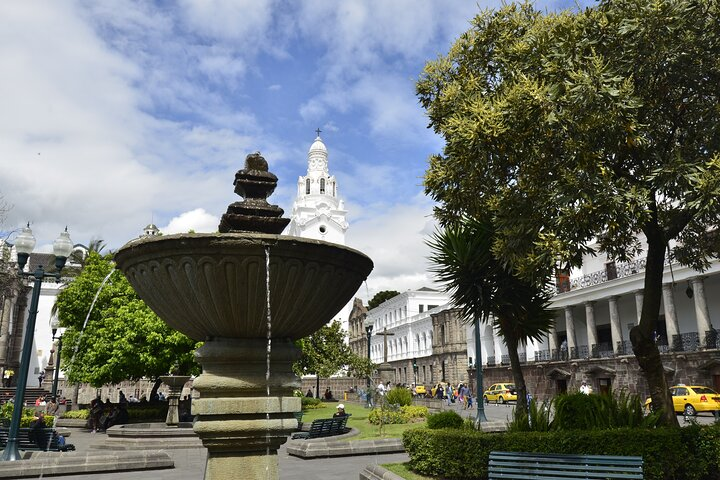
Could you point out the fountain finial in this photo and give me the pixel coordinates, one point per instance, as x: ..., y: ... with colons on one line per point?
x: 254, y: 214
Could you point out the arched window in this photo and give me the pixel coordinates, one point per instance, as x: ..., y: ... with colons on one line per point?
x: 333, y: 189
x: 307, y: 187
x: 322, y: 186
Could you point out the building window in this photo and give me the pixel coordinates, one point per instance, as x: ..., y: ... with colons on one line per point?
x: 322, y: 186
x: 307, y: 187
x: 421, y: 308
x: 333, y: 188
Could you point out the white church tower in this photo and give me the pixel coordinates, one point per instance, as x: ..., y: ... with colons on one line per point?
x: 318, y: 212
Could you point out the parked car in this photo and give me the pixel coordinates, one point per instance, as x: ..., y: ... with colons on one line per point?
x: 420, y: 390
x: 500, y: 392
x: 690, y: 399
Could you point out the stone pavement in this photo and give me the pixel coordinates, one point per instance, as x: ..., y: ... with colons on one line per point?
x: 190, y: 464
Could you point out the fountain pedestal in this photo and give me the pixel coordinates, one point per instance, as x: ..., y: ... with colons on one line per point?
x: 244, y: 413
x: 175, y: 383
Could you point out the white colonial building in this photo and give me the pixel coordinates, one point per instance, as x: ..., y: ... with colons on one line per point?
x: 596, y: 306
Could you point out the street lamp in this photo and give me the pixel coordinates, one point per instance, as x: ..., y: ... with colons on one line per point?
x: 24, y: 244
x: 54, y: 324
x: 368, y: 322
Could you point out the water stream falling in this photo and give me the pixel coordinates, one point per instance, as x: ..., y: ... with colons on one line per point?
x: 267, y: 357
x: 92, y: 305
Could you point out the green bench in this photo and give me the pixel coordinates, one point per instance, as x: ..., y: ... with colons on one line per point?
x: 324, y: 427
x: 520, y: 465
x: 49, y: 439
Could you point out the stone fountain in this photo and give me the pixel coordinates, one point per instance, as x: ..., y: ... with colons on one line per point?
x: 248, y: 293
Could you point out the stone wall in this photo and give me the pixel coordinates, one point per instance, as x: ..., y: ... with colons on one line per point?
x: 546, y: 379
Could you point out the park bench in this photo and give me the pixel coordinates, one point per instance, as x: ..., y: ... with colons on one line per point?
x: 324, y: 427
x: 520, y: 465
x: 49, y: 440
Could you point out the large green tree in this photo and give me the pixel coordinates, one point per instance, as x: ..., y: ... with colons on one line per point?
x: 381, y: 297
x: 485, y: 289
x: 123, y: 339
x: 324, y: 353
x: 600, y: 124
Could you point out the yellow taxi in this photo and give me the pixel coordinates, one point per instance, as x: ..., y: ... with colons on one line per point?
x: 690, y: 399
x: 420, y: 390
x: 500, y: 392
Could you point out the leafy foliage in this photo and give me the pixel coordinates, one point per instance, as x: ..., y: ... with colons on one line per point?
x: 481, y: 286
x: 381, y: 297
x: 324, y: 352
x: 309, y: 403
x: 360, y: 366
x: 399, y: 396
x: 577, y: 411
x: 446, y: 419
x: 123, y: 338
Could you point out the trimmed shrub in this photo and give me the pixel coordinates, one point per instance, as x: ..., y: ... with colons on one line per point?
x: 578, y: 411
x: 396, y: 416
x: 399, y: 396
x: 446, y: 419
x: 667, y: 452
x: 309, y: 403
x: 83, y: 414
x: 411, y: 412
x: 386, y: 417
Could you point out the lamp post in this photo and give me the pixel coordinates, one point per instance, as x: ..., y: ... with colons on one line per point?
x: 368, y: 322
x: 54, y: 324
x: 24, y: 244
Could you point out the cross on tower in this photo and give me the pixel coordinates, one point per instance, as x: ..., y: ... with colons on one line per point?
x: 318, y: 131
x: 385, y: 349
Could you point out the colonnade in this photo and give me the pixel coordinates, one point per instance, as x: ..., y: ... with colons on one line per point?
x: 702, y: 318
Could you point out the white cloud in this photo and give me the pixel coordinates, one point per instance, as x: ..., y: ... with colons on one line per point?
x: 197, y: 220
x: 394, y: 238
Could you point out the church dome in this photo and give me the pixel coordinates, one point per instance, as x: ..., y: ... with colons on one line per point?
x: 317, y: 147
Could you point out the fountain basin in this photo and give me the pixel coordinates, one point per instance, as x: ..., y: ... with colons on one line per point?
x: 213, y: 285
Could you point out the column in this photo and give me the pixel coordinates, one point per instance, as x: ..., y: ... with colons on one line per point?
x: 590, y: 325
x: 671, y: 322
x: 552, y: 340
x: 7, y: 311
x: 570, y: 331
x: 615, y: 329
x: 639, y: 296
x: 702, y: 314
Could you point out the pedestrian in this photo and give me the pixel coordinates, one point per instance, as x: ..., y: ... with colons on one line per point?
x: 41, y: 378
x: 564, y: 350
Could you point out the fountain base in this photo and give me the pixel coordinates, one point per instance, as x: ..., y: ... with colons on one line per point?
x: 244, y: 414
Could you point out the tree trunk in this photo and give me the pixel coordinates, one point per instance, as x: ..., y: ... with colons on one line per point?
x: 641, y: 336
x: 518, y: 377
x: 153, y: 392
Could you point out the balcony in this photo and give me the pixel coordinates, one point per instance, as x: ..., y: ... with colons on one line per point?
x: 685, y: 342
x: 611, y: 272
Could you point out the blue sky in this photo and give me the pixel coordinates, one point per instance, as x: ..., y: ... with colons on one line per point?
x: 117, y: 113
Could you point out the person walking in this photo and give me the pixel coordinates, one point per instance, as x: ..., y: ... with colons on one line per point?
x: 41, y: 378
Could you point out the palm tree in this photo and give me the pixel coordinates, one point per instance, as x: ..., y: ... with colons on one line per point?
x: 484, y: 288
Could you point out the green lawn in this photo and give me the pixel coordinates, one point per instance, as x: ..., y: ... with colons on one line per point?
x: 402, y: 470
x: 359, y: 421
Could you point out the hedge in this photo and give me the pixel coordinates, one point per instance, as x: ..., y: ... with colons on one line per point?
x: 690, y: 453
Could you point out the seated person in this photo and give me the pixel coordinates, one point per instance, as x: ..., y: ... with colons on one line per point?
x: 328, y: 394
x: 309, y: 393
x: 36, y: 428
x: 340, y: 411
